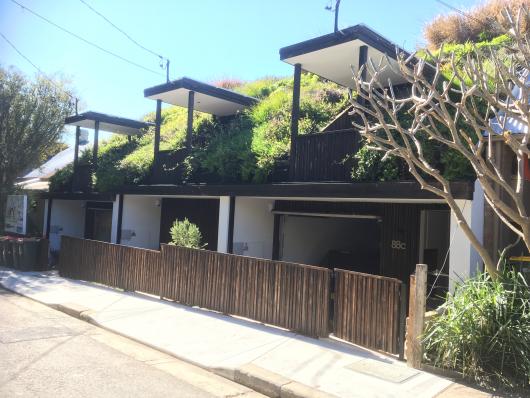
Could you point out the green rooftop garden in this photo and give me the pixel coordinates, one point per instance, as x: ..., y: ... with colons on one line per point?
x: 245, y: 148
x: 251, y: 146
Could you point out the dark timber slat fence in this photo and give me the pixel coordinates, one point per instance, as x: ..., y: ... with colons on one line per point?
x: 288, y: 295
x: 323, y: 156
x: 367, y: 310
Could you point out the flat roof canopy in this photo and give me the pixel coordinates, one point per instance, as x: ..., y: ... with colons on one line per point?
x: 333, y: 56
x: 207, y: 98
x: 113, y: 124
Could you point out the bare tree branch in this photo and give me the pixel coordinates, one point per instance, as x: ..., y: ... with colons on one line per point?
x: 469, y: 110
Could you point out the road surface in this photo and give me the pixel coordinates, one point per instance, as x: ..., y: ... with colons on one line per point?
x: 46, y: 353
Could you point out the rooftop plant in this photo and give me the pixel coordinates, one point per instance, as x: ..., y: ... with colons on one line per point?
x: 244, y: 148
x: 481, y: 23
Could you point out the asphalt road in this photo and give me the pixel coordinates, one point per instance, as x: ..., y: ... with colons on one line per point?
x: 46, y: 353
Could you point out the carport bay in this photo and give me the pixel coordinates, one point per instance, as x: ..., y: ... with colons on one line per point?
x: 386, y: 239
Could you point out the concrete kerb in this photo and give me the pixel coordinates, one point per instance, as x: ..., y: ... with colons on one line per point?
x: 258, y: 379
x: 274, y: 385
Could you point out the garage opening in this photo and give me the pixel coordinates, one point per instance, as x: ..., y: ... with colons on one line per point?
x: 350, y: 242
x: 202, y: 212
x: 98, y: 221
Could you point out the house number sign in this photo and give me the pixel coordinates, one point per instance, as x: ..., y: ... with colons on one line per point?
x: 398, y: 245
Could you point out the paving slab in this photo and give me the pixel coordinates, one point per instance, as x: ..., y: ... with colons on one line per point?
x: 229, y: 345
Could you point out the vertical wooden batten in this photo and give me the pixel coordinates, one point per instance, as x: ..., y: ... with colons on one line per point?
x: 231, y: 215
x: 120, y: 219
x: 363, y: 57
x: 295, y: 115
x: 158, y: 122
x: 416, y: 321
x: 189, y: 130
x: 276, y: 238
x: 96, y: 144
x: 76, y: 148
x: 48, y: 218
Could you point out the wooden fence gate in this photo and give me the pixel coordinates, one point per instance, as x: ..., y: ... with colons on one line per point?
x: 369, y: 310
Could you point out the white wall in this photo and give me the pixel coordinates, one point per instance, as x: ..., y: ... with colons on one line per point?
x: 114, y: 226
x: 460, y: 252
x: 224, y: 219
x: 141, y: 217
x: 45, y: 221
x: 67, y: 218
x: 477, y: 222
x: 253, y: 227
x: 464, y: 261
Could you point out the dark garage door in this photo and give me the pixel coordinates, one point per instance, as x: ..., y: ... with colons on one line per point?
x: 202, y: 212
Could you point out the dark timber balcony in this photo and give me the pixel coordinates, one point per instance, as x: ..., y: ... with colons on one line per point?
x: 82, y: 178
x: 169, y: 168
x: 324, y: 156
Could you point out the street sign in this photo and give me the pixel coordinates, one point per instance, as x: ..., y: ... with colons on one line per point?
x: 16, y: 211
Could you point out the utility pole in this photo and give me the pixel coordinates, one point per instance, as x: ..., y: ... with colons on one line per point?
x: 337, y: 5
x: 336, y: 10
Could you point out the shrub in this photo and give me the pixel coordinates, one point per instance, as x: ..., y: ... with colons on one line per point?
x: 483, y: 331
x: 483, y: 22
x: 370, y: 166
x: 320, y: 102
x: 228, y: 156
x: 228, y: 83
x: 110, y: 173
x: 186, y: 234
x: 62, y: 180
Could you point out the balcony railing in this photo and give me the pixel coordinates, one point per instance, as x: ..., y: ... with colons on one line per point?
x: 324, y: 156
x: 169, y: 169
x: 82, y: 178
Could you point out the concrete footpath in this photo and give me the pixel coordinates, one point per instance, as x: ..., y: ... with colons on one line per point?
x: 269, y: 360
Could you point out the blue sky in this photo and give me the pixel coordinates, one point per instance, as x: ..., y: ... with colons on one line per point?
x: 205, y: 39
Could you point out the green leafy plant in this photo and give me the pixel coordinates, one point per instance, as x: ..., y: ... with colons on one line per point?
x: 186, y: 234
x: 483, y: 331
x: 62, y: 180
x: 370, y: 166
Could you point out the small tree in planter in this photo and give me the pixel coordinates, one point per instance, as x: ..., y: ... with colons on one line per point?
x: 186, y: 234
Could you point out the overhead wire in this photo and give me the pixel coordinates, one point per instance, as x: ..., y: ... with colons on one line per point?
x: 37, y: 68
x: 465, y: 14
x: 161, y: 57
x: 85, y: 40
x: 121, y: 30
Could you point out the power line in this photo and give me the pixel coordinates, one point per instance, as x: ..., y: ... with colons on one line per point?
x: 85, y: 40
x: 121, y: 30
x: 131, y: 39
x: 37, y: 68
x: 463, y: 13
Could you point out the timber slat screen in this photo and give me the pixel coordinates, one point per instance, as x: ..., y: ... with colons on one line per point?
x: 323, y: 156
x: 288, y: 295
x: 292, y: 296
x: 367, y: 310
